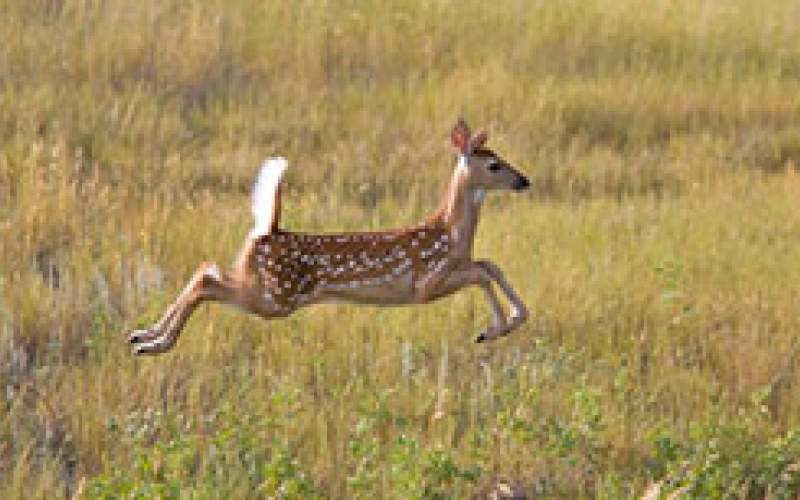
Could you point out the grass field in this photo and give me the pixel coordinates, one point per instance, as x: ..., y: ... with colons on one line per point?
x: 659, y: 250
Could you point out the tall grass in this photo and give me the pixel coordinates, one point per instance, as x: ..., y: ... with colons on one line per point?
x: 658, y: 249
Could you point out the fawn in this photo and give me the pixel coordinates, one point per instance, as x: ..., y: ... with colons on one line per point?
x: 279, y: 271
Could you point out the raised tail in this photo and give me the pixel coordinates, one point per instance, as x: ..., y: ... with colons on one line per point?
x: 266, y: 196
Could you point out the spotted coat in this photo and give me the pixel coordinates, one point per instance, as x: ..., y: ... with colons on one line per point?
x: 294, y: 269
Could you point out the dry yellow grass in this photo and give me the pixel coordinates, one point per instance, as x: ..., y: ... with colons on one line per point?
x: 658, y: 250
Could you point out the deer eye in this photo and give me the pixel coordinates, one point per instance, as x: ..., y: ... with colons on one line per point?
x: 494, y: 166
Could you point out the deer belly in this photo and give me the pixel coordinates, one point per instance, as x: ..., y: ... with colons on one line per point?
x: 388, y: 290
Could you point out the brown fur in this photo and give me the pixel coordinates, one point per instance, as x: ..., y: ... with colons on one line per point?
x: 282, y: 271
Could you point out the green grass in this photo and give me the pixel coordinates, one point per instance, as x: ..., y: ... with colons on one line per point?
x: 658, y: 250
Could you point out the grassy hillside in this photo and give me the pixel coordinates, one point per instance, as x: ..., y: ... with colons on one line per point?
x: 659, y: 250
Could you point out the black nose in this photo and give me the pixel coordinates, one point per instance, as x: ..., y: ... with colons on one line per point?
x: 522, y: 184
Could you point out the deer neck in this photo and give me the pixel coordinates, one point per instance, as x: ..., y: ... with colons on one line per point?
x: 460, y: 207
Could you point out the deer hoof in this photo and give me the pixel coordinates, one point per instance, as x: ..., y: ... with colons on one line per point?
x: 146, y: 348
x: 137, y: 336
x: 482, y: 338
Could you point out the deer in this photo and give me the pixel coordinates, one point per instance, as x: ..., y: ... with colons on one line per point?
x: 278, y: 271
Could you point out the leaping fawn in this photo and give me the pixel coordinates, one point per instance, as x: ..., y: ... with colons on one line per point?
x: 278, y: 271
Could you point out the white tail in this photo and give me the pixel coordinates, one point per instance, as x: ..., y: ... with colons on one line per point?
x: 280, y: 271
x: 266, y: 196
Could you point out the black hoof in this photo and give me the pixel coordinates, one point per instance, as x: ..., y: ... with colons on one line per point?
x: 138, y: 336
x: 481, y: 338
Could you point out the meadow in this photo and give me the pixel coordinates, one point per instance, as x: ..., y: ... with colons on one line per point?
x: 658, y: 251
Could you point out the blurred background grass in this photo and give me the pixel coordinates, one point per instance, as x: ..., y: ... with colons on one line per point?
x: 657, y: 250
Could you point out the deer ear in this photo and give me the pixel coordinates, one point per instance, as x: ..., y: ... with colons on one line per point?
x: 478, y: 141
x: 460, y: 136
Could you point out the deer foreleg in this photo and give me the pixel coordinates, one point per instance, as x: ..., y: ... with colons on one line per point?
x: 519, y: 313
x: 471, y: 274
x: 499, y: 326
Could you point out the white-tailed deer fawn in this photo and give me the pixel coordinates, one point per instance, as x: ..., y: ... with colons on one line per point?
x: 278, y: 271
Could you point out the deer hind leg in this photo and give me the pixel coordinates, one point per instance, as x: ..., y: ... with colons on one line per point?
x: 519, y: 313
x: 205, y: 284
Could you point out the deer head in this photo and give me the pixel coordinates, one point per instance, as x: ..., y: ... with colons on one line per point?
x: 481, y: 166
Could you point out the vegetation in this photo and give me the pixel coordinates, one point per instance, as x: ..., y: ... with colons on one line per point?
x: 659, y: 249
